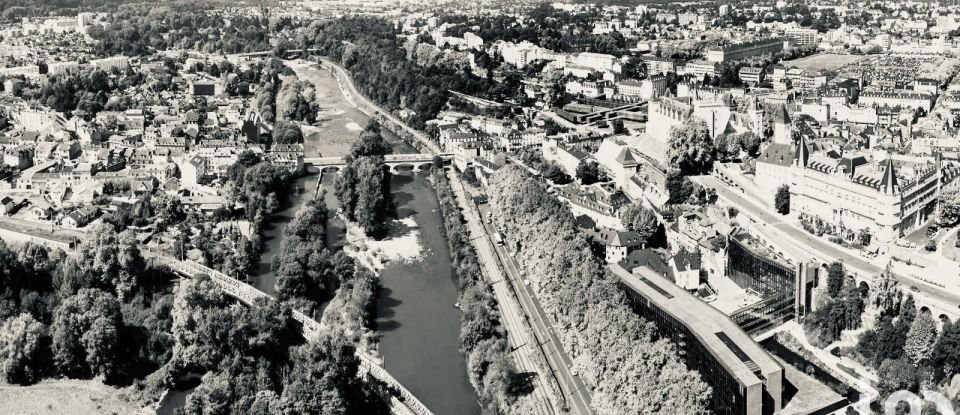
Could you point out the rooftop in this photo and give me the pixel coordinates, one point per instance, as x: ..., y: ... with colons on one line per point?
x: 740, y: 355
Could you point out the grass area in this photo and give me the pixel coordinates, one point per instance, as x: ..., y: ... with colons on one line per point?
x: 824, y: 61
x: 64, y: 397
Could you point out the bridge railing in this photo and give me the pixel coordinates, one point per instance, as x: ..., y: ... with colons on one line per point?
x: 311, y: 328
x: 370, y: 365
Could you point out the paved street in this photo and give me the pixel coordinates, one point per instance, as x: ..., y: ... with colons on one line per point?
x: 776, y: 229
x: 508, y: 290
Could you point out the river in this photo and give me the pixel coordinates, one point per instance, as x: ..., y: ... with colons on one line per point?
x: 418, y: 324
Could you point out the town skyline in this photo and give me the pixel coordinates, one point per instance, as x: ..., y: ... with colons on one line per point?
x: 494, y: 207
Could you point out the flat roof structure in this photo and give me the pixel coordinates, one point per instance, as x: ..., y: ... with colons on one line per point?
x: 739, y: 356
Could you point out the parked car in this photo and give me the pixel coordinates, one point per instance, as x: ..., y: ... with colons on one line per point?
x: 914, y: 289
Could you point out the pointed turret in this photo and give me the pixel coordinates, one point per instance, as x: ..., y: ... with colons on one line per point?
x: 781, y: 126
x: 780, y: 115
x: 753, y: 104
x: 889, y: 181
x: 802, y: 154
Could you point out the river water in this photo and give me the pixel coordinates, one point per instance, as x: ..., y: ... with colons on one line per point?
x: 417, y: 321
x: 418, y: 325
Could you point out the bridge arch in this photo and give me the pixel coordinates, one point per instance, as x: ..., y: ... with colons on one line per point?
x: 925, y: 309
x: 944, y: 318
x: 403, y: 167
x: 864, y: 289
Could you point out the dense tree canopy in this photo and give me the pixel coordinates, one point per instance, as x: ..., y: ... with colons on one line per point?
x: 85, y: 333
x: 588, y: 172
x: 615, y: 349
x: 641, y: 220
x: 24, y: 349
x: 368, y: 47
x: 363, y: 186
x: 690, y: 147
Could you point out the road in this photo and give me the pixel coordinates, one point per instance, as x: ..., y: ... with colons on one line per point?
x: 350, y: 91
x: 510, y: 289
x: 784, y: 232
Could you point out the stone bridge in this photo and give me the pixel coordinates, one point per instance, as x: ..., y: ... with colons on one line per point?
x: 415, y: 162
x: 311, y: 330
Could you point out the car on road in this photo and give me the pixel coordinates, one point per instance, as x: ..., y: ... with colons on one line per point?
x: 526, y: 282
x: 914, y: 289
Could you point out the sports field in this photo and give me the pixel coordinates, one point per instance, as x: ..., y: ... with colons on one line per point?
x: 822, y: 61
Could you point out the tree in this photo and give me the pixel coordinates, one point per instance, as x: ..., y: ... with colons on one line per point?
x: 24, y: 346
x: 728, y: 147
x: 853, y: 304
x: 615, y: 349
x: 782, y: 200
x: 588, y: 172
x: 750, y: 143
x: 679, y: 187
x: 634, y: 68
x: 897, y: 374
x: 885, y: 341
x: 949, y: 208
x: 285, y: 132
x: 835, y: 278
x: 553, y: 172
x: 863, y: 237
x: 371, y: 142
x: 85, y: 328
x: 946, y: 353
x: 618, y: 127
x: 887, y: 293
x: 372, y: 195
x: 363, y: 189
x: 690, y: 147
x: 921, y: 339
x: 640, y: 220
x: 114, y: 259
x: 556, y: 88
x: 328, y: 365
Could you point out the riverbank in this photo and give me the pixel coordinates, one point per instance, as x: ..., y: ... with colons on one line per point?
x: 402, y: 243
x: 349, y: 91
